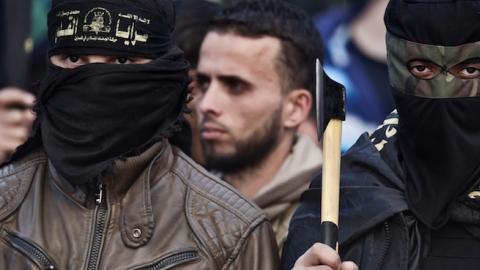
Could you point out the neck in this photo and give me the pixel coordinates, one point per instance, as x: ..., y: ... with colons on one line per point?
x: 368, y: 31
x: 250, y: 180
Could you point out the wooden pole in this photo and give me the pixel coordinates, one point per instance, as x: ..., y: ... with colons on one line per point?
x: 331, y: 182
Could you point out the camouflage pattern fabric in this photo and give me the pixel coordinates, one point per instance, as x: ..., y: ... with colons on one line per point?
x: 449, y: 66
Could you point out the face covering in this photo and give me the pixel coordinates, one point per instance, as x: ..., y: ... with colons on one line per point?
x: 439, y: 128
x: 96, y: 113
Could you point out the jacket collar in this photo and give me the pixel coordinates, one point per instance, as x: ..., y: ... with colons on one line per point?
x: 123, y: 174
x: 137, y: 220
x: 130, y: 185
x: 293, y: 177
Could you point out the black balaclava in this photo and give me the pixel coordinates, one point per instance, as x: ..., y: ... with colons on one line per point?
x: 94, y: 114
x: 439, y: 128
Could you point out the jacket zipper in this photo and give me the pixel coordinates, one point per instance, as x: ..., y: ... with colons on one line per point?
x: 386, y: 247
x: 173, y: 260
x: 39, y: 256
x: 101, y: 214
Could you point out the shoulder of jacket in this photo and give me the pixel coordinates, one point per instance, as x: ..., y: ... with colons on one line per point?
x: 15, y: 180
x: 385, y: 134
x: 220, y: 215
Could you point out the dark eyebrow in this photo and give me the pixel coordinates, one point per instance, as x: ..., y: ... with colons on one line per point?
x: 475, y: 60
x: 228, y: 79
x: 421, y: 60
x: 201, y: 76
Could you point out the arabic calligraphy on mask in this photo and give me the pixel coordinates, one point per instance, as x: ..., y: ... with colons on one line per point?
x: 97, y: 26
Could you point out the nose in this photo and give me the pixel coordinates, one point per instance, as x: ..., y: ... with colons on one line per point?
x: 211, y: 100
x: 91, y: 59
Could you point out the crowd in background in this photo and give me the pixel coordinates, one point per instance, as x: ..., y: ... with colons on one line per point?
x: 352, y: 32
x: 223, y: 168
x: 353, y: 54
x: 276, y: 151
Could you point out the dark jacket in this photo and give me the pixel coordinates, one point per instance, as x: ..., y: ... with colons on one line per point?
x: 376, y: 229
x: 158, y: 210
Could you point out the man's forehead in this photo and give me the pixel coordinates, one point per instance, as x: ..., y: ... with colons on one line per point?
x: 242, y: 45
x: 228, y: 52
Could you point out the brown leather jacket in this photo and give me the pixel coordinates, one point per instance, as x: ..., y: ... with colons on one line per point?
x: 158, y: 210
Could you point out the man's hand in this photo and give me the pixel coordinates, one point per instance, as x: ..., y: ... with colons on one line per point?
x: 322, y: 257
x: 16, y: 118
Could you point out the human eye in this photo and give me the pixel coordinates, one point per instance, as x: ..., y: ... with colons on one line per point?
x: 202, y: 82
x: 469, y: 73
x: 68, y: 61
x: 130, y: 60
x: 469, y: 69
x: 73, y: 61
x: 236, y: 85
x: 72, y: 58
x: 422, y: 69
x: 123, y: 60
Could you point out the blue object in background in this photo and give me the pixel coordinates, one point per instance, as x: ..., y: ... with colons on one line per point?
x: 369, y: 99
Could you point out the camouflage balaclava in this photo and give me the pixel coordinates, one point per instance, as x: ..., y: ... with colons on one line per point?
x: 434, y: 70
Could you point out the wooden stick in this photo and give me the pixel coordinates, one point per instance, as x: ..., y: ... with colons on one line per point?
x: 331, y: 182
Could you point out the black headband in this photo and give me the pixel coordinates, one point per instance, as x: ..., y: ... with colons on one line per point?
x: 435, y: 22
x: 107, y: 28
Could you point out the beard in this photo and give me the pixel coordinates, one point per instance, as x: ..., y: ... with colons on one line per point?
x: 249, y: 152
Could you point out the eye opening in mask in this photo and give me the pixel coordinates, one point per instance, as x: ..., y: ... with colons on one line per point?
x: 467, y: 70
x: 70, y: 61
x: 423, y: 69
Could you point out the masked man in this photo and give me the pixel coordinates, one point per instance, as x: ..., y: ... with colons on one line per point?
x: 410, y: 196
x: 106, y: 190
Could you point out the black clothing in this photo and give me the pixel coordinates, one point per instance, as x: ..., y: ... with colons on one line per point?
x: 377, y: 230
x: 106, y: 27
x: 439, y: 142
x: 91, y: 115
x: 452, y: 247
x: 97, y: 113
x: 408, y: 20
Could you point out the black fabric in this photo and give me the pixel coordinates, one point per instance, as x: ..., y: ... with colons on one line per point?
x: 376, y: 228
x: 371, y: 193
x: 439, y: 140
x: 97, y: 113
x: 452, y: 247
x: 436, y: 22
x: 106, y: 27
x: 183, y: 138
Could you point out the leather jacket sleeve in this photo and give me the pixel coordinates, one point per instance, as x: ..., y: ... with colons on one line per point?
x: 260, y: 251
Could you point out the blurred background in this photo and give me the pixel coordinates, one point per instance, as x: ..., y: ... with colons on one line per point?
x: 352, y: 31
x: 23, y: 33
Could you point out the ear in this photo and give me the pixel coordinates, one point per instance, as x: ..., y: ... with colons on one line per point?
x: 297, y: 107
